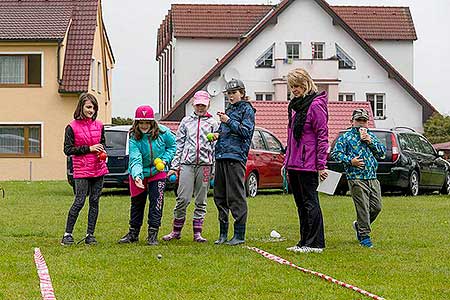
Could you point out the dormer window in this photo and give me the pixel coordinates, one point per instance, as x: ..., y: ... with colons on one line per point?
x: 266, y: 60
x: 345, y: 61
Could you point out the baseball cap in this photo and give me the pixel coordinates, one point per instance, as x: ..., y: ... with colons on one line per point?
x: 360, y: 113
x: 201, y: 97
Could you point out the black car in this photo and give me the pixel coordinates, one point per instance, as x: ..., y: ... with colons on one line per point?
x: 411, y: 164
x: 116, y: 138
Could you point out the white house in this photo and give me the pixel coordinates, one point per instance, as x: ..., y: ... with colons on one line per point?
x: 354, y: 53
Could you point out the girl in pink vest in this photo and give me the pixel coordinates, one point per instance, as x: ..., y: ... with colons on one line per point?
x: 84, y: 140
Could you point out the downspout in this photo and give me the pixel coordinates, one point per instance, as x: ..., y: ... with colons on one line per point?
x: 58, y: 58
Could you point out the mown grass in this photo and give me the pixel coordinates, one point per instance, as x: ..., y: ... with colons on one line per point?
x: 411, y: 258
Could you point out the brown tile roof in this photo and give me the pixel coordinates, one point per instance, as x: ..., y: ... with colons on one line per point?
x: 272, y: 115
x: 213, y: 21
x: 177, y: 111
x: 34, y: 19
x: 379, y: 22
x: 48, y: 20
x: 80, y: 43
x: 442, y: 146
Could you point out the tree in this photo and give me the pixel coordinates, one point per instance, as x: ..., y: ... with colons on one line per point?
x: 122, y: 121
x: 437, y: 129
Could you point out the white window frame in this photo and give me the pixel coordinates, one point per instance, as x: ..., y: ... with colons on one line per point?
x: 93, y: 69
x: 299, y: 44
x: 378, y: 114
x: 99, y: 77
x: 260, y: 61
x: 264, y: 96
x: 346, y: 97
x: 344, y: 57
x: 314, y: 51
x: 41, y: 53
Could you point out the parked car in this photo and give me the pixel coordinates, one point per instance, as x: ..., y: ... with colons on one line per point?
x: 265, y: 160
x: 411, y: 164
x: 116, y: 138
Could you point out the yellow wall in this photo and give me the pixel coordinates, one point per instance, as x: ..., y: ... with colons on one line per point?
x: 45, y: 105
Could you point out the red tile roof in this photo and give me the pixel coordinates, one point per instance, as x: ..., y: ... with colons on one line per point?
x: 442, y: 146
x: 178, y: 108
x: 49, y: 20
x: 213, y: 21
x: 272, y: 115
x: 34, y: 19
x: 80, y: 43
x: 172, y: 125
x: 379, y: 22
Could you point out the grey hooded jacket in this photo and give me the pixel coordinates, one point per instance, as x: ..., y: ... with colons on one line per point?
x: 193, y: 147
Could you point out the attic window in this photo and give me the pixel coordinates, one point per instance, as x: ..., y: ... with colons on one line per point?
x: 20, y: 70
x: 345, y: 61
x: 266, y: 59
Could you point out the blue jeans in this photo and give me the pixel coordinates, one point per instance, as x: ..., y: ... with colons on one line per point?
x: 155, y: 192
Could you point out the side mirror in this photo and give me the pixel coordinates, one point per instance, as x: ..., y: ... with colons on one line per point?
x: 441, y: 153
x: 283, y: 150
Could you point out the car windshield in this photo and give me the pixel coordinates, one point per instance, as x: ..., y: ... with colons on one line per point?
x: 116, y: 140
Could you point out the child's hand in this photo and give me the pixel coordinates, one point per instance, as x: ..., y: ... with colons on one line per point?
x: 171, y: 172
x: 215, y: 136
x: 358, y: 162
x: 223, y: 117
x: 96, y: 148
x: 138, y: 182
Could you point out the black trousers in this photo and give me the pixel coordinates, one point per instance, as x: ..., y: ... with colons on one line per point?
x: 229, y: 190
x: 155, y: 192
x: 304, y: 185
x: 83, y: 187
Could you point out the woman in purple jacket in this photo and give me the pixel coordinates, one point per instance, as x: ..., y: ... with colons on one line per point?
x: 306, y: 157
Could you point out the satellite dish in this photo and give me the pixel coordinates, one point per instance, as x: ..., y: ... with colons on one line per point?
x: 213, y: 88
x: 231, y: 73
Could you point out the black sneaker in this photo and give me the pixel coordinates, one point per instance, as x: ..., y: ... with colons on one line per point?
x: 67, y: 240
x: 90, y: 240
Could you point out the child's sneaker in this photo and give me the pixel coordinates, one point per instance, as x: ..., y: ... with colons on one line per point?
x: 67, y: 240
x: 366, y: 242
x: 90, y: 240
x: 304, y: 249
x: 356, y: 229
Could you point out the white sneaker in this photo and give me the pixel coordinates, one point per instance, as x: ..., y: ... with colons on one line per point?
x: 315, y: 250
x: 294, y: 248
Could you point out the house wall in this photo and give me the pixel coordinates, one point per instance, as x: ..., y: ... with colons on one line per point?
x: 46, y: 106
x: 399, y: 54
x: 192, y: 58
x: 41, y: 105
x: 368, y: 77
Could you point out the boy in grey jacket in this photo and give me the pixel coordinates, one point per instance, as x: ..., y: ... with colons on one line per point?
x: 193, y: 161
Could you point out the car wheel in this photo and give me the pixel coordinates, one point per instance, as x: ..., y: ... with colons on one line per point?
x: 446, y: 187
x: 252, y: 185
x: 413, y: 188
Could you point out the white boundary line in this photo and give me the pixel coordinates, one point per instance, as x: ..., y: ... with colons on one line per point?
x: 44, y: 277
x: 323, y: 276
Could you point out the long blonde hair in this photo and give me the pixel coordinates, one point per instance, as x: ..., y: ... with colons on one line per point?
x: 299, y: 77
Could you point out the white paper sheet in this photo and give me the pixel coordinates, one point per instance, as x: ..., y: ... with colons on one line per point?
x: 328, y: 186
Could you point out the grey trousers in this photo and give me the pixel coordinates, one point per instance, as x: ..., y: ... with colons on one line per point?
x: 366, y: 196
x: 229, y: 190
x: 193, y: 180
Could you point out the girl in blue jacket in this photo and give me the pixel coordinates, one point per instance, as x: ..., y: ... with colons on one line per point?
x: 151, y: 147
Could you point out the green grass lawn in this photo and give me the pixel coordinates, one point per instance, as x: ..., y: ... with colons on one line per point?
x: 410, y: 260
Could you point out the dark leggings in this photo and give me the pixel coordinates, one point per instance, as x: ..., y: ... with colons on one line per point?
x: 83, y: 186
x: 156, y: 198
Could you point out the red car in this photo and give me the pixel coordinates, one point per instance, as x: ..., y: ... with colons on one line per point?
x: 264, y: 163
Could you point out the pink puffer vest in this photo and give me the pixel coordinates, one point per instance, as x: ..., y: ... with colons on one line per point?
x: 87, y: 132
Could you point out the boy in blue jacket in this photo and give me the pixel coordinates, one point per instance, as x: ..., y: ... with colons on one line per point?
x: 358, y: 149
x: 231, y: 152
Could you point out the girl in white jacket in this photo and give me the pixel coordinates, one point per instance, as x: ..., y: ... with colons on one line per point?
x: 193, y: 162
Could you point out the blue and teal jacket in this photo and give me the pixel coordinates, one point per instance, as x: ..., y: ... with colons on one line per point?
x: 142, y: 153
x: 349, y: 145
x: 235, y: 136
